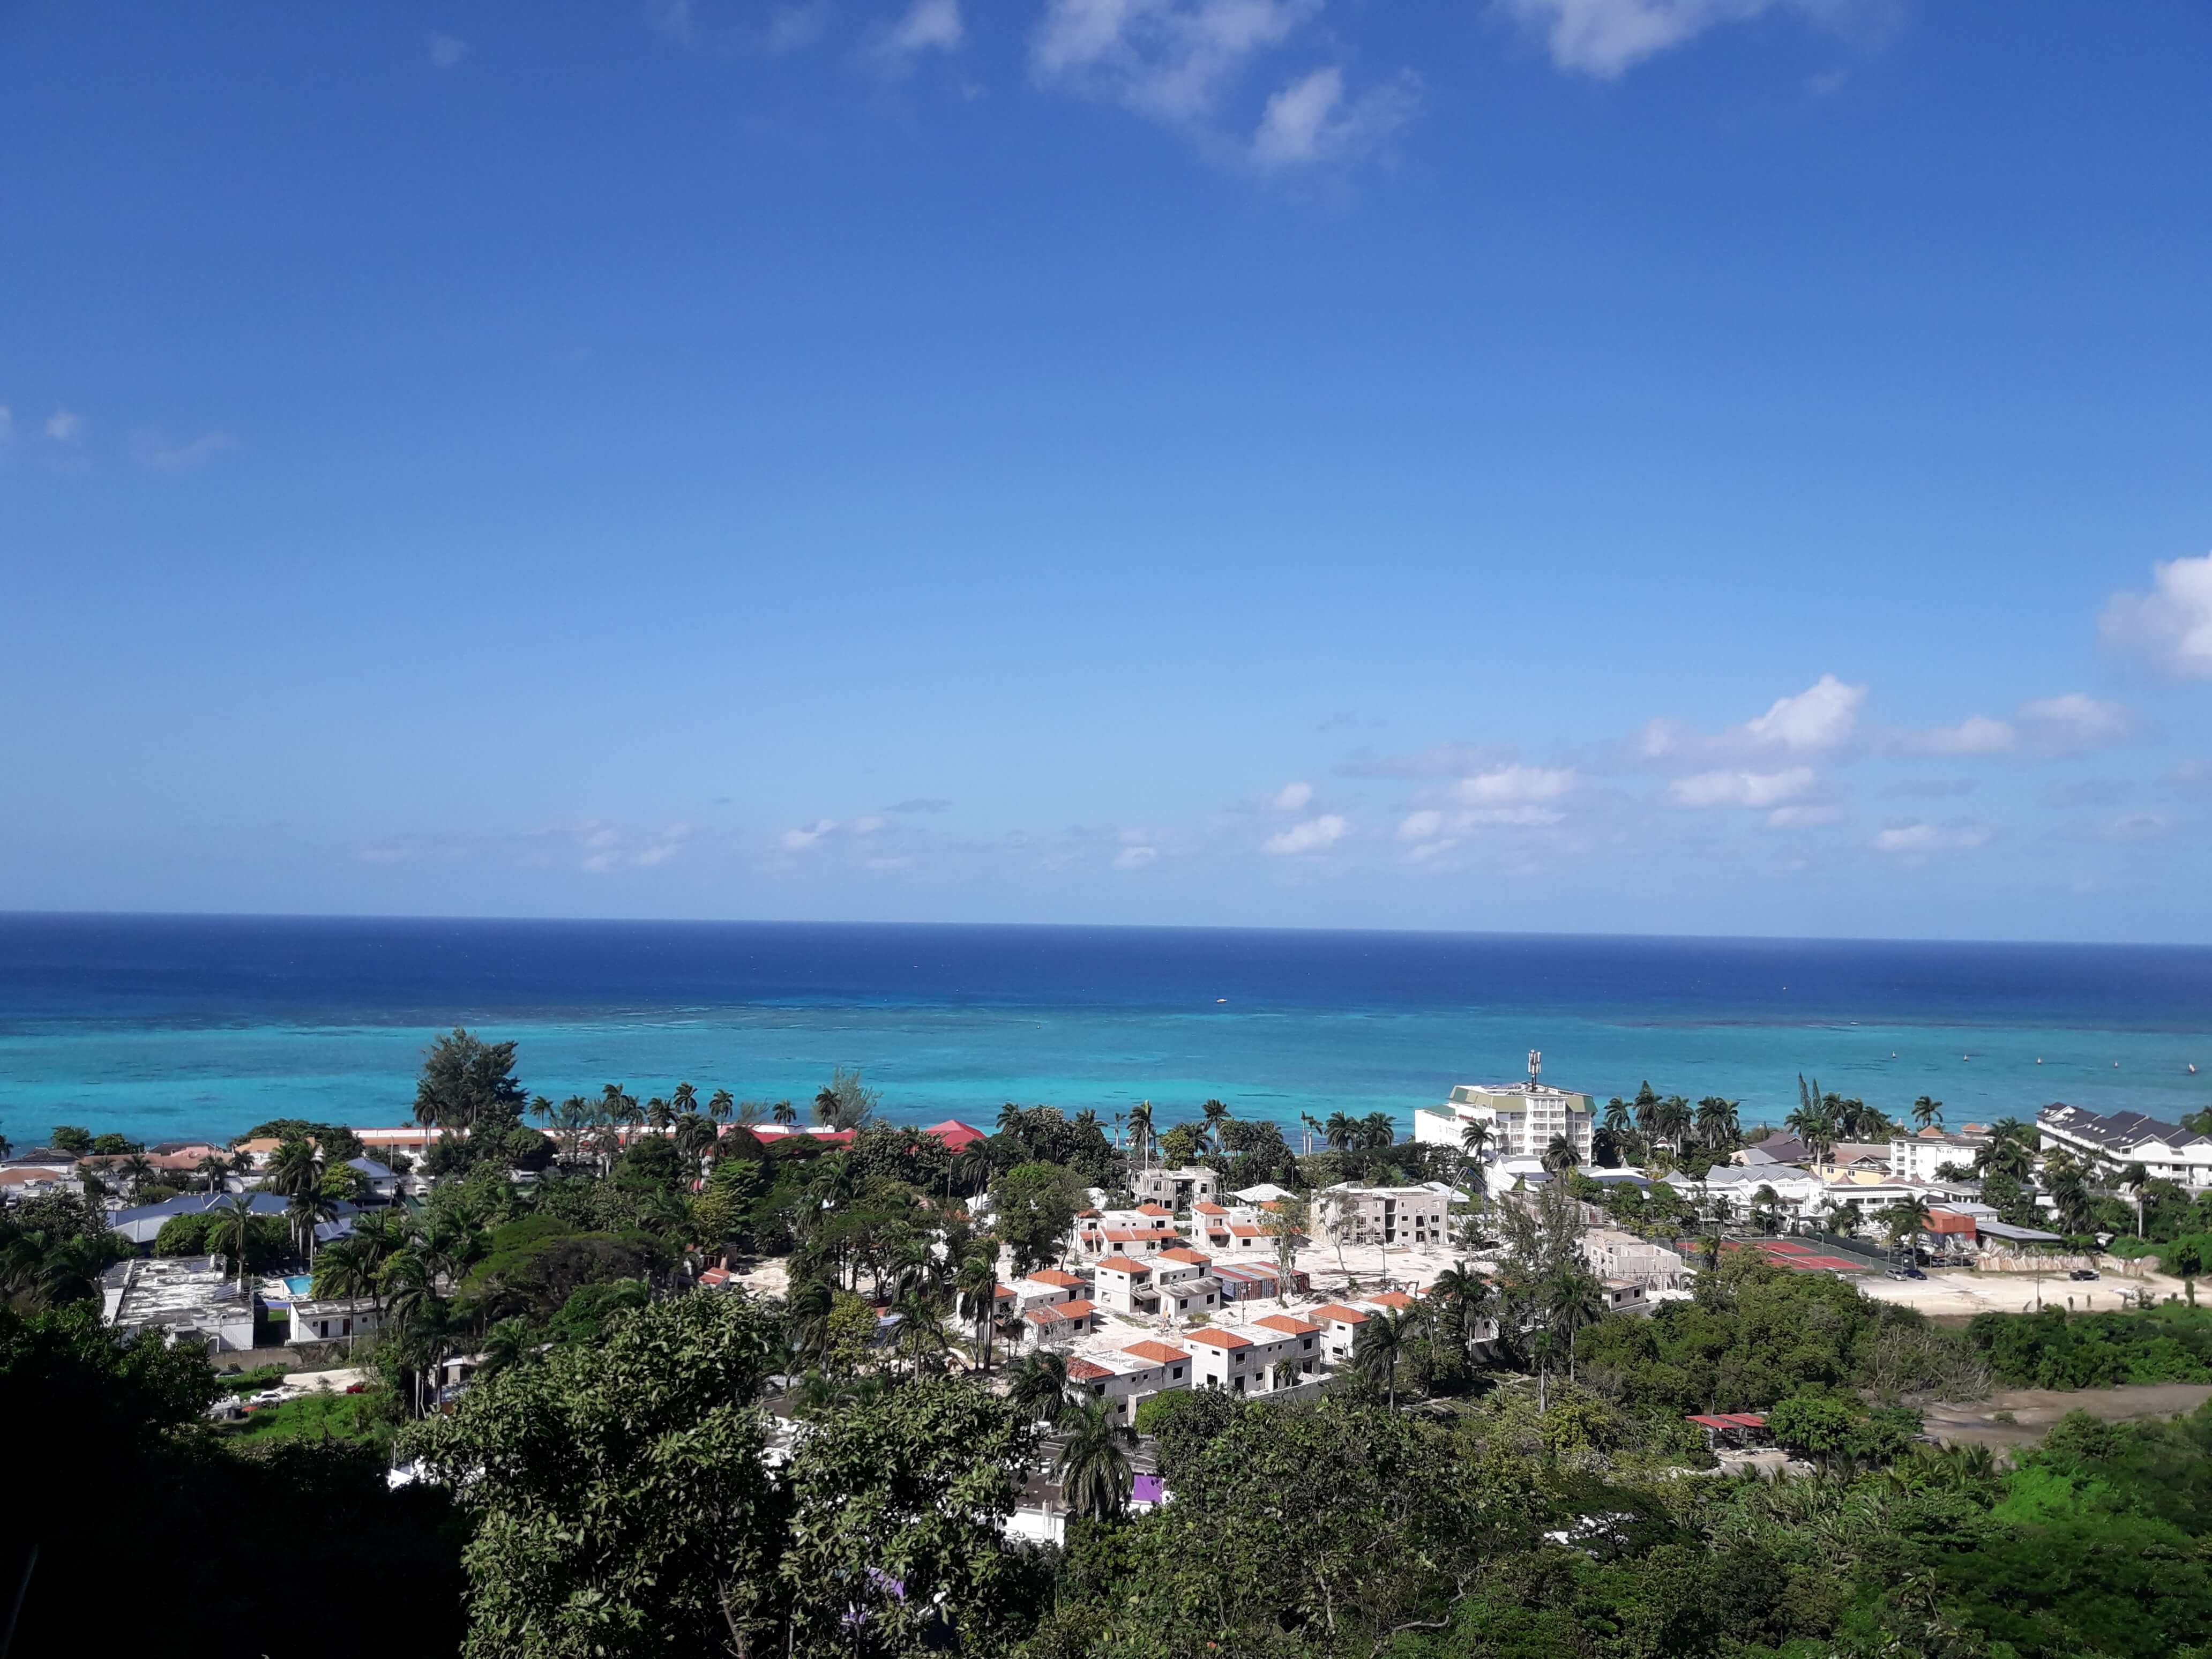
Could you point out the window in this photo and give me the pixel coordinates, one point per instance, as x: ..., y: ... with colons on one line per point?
x: 1178, y: 1371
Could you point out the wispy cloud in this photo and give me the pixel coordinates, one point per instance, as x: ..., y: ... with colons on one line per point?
x: 1921, y: 839
x: 183, y: 458
x: 64, y: 428
x: 926, y: 26
x: 2065, y: 724
x: 2167, y: 630
x: 927, y: 804
x: 798, y: 840
x: 1309, y: 121
x: 1752, y: 789
x: 1607, y: 38
x: 1316, y: 835
x: 447, y: 51
x: 1293, y: 797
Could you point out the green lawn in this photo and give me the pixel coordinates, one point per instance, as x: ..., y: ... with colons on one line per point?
x: 310, y: 1417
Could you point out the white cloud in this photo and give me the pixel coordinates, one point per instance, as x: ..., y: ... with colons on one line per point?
x: 867, y: 826
x: 929, y: 26
x: 1309, y: 122
x: 1135, y: 858
x: 1420, y: 826
x: 798, y: 841
x: 1977, y: 734
x: 1169, y: 58
x: 183, y: 458
x: 2069, y: 724
x: 793, y: 27
x: 1816, y: 720
x: 2168, y: 629
x: 1313, y: 835
x: 1924, y: 838
x: 64, y: 427
x: 1516, y: 784
x: 1752, y: 789
x: 1293, y: 797
x: 1606, y: 38
x: 446, y: 50
x: 1801, y: 817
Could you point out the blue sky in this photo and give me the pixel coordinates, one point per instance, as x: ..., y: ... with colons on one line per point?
x: 1676, y: 465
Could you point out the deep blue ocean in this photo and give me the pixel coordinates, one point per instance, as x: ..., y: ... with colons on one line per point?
x: 163, y: 1026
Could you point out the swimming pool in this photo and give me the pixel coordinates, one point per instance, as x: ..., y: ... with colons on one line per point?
x: 300, y: 1284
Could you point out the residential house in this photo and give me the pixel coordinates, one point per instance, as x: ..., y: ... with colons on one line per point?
x: 1125, y: 1284
x: 1178, y: 1189
x: 1124, y: 1377
x: 1627, y: 1296
x: 189, y: 1299
x: 332, y: 1321
x: 1123, y: 1232
x: 1241, y: 1359
x: 1613, y: 1254
x: 1340, y: 1330
x: 142, y: 1223
x: 380, y: 1183
x: 1058, y: 1322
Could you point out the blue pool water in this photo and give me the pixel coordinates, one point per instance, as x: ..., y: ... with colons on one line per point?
x: 168, y: 1026
x: 300, y: 1284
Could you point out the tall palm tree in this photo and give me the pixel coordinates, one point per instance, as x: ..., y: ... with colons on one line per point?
x: 295, y: 1166
x: 1140, y: 1128
x: 540, y: 1108
x: 507, y: 1346
x: 978, y: 1285
x: 1038, y: 1387
x: 1927, y: 1112
x: 1379, y: 1129
x: 806, y: 1318
x: 1092, y: 1466
x: 720, y: 1105
x: 1717, y: 1120
x: 137, y: 1169
x: 1215, y: 1113
x: 1458, y: 1296
x: 345, y: 1272
x: 1382, y: 1342
x: 211, y: 1169
x: 2135, y: 1178
x: 1618, y: 1122
x: 1560, y: 1156
x: 307, y: 1211
x: 1573, y: 1300
x: 231, y: 1231
x: 658, y: 1113
x: 684, y: 1097
x: 784, y: 1113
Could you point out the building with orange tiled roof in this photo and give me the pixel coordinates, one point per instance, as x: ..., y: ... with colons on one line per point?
x: 1182, y: 1252
x: 1125, y: 1284
x: 1339, y: 1330
x: 1123, y: 1379
x: 1149, y: 1208
x: 1289, y: 1324
x: 1253, y: 1360
x: 1207, y: 1207
x: 1065, y: 1280
x: 1058, y: 1322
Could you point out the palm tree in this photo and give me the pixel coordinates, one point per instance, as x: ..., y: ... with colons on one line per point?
x: 1038, y: 1387
x: 1560, y: 1156
x: 2010, y: 1151
x: 2135, y: 1178
x: 507, y: 1346
x: 210, y: 1170
x: 1717, y: 1120
x: 232, y: 1230
x: 1341, y: 1131
x: 39, y: 1272
x: 978, y: 1284
x: 720, y: 1105
x: 347, y: 1271
x: 1906, y: 1220
x: 1926, y: 1112
x: 1458, y: 1296
x: 684, y: 1097
x: 784, y: 1113
x: 1813, y: 1125
x: 806, y: 1318
x: 1769, y: 1201
x: 304, y: 1212
x: 294, y: 1168
x: 1474, y: 1146
x: 1093, y: 1469
x: 137, y: 1169
x: 1377, y: 1129
x: 541, y: 1108
x: 1573, y: 1300
x: 1618, y: 1122
x: 1380, y: 1345
x: 1140, y: 1128
x: 1216, y: 1114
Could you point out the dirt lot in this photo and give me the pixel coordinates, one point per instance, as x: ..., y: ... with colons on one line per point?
x: 2034, y: 1410
x: 1961, y: 1295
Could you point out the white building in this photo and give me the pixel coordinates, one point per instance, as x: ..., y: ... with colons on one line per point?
x: 1124, y: 1377
x: 1241, y: 1359
x: 1522, y: 1117
x: 1922, y: 1154
x: 332, y: 1321
x: 2167, y: 1150
x: 186, y: 1298
x: 1615, y: 1254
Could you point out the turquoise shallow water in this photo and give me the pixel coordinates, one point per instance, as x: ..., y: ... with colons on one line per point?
x: 165, y: 1027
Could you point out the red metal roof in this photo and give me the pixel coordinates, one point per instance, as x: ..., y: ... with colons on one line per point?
x: 1149, y: 1349
x: 1342, y: 1315
x: 1213, y: 1338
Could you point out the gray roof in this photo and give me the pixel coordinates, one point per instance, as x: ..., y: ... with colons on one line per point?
x: 2017, y: 1234
x: 372, y: 1168
x: 2115, y: 1131
x: 200, y: 1203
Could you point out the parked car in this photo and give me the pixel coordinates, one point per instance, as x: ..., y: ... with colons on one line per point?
x: 356, y: 1387
x: 2083, y: 1273
x: 267, y: 1397
x: 1914, y: 1273
x: 1896, y: 1273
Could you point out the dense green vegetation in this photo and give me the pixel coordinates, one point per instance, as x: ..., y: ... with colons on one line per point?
x: 2054, y: 1349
